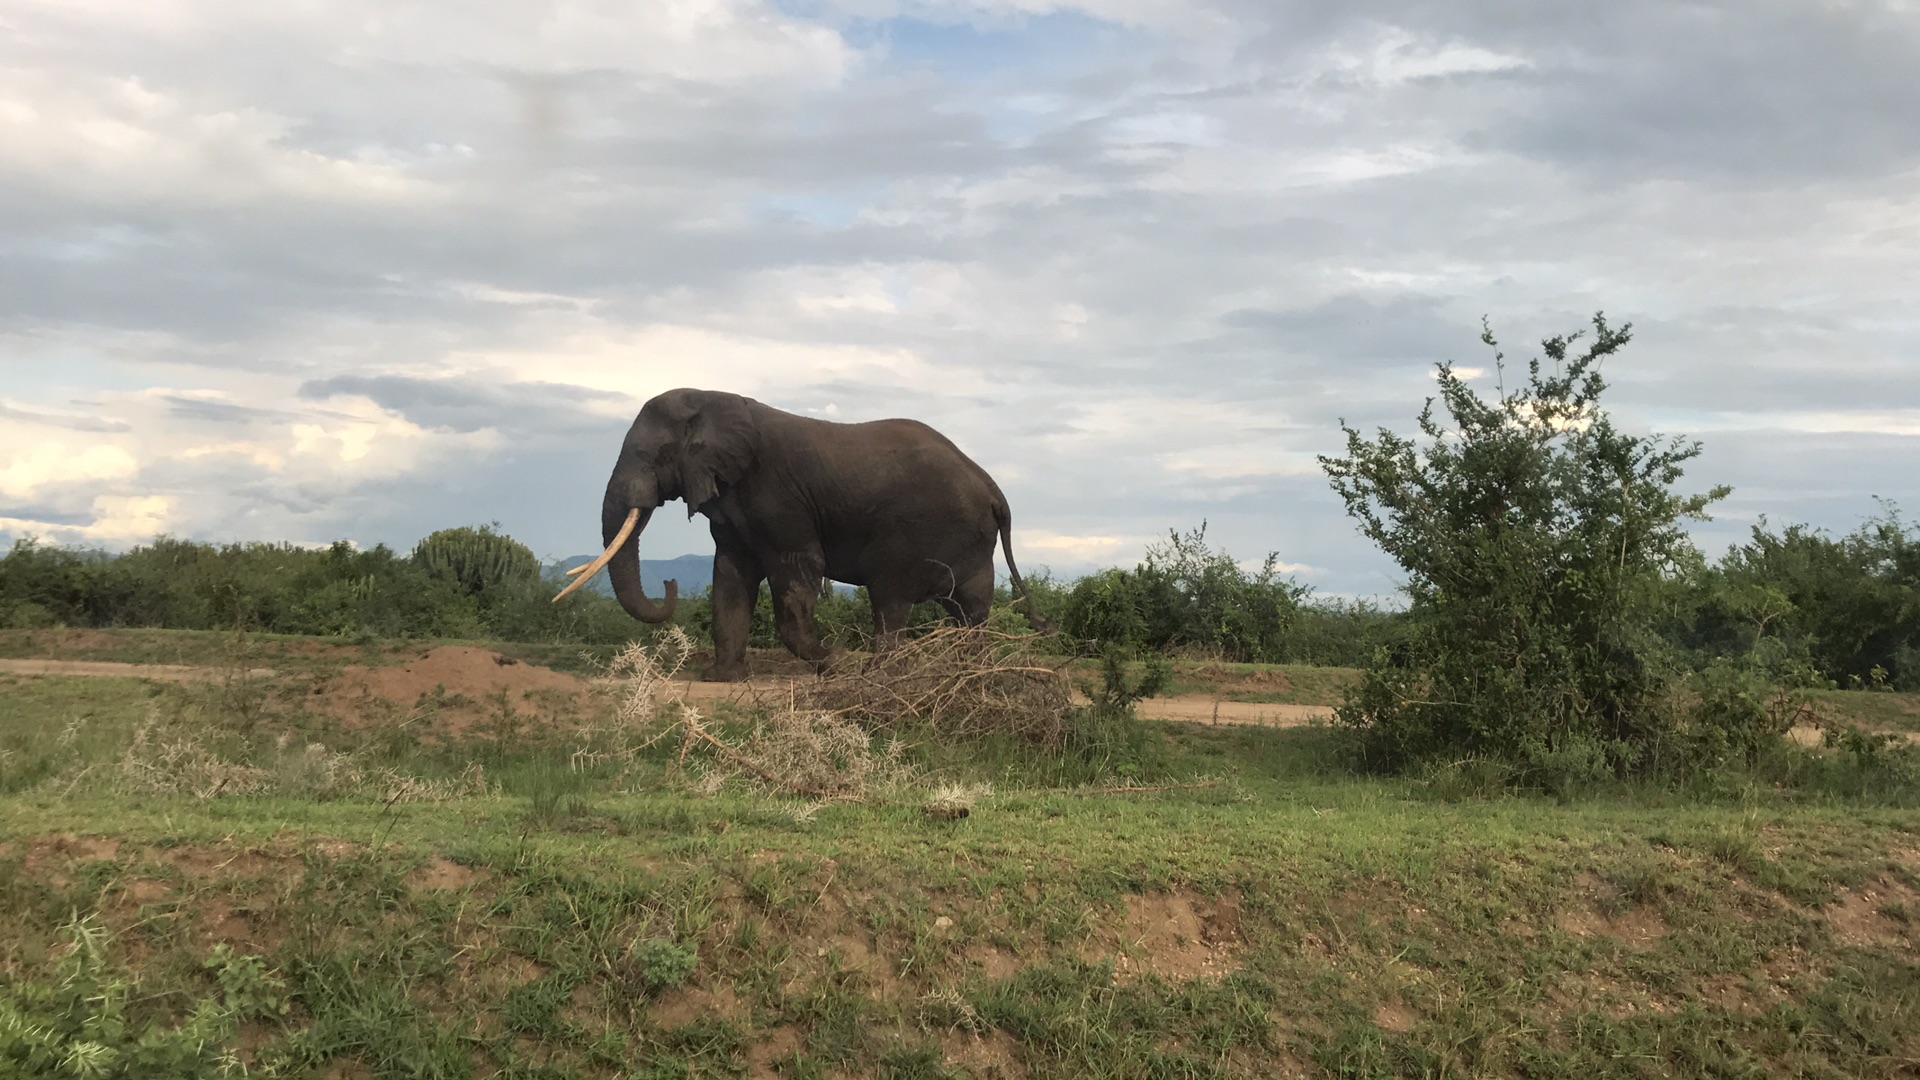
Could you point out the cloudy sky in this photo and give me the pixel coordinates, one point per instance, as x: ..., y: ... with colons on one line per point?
x: 349, y: 269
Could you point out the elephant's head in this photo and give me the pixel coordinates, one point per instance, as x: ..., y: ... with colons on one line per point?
x: 685, y: 444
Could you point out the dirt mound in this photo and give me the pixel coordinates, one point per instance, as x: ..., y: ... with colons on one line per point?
x: 457, y: 687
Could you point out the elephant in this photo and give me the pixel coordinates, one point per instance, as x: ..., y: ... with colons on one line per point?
x: 791, y: 500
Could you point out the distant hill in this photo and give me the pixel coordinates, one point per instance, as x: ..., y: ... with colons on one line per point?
x: 693, y: 572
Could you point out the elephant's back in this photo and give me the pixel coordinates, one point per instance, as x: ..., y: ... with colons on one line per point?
x: 903, y: 469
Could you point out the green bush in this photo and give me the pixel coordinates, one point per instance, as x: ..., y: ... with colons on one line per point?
x: 1537, y: 540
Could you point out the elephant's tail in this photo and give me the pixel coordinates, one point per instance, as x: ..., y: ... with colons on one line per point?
x: 1005, y: 518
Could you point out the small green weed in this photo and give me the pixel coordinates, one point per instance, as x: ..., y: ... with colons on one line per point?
x: 87, y: 1016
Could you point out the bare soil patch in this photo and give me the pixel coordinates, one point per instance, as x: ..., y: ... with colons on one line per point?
x: 992, y: 1055
x: 765, y: 1057
x: 1864, y: 918
x: 1638, y: 928
x: 689, y: 1003
x: 1188, y: 708
x: 461, y: 685
x: 1395, y: 1017
x: 456, y: 688
x: 443, y: 873
x: 1199, y: 709
x: 1177, y: 935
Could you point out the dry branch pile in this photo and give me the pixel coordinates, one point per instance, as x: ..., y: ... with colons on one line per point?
x: 960, y: 681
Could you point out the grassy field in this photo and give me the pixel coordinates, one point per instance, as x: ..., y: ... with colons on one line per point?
x: 398, y: 899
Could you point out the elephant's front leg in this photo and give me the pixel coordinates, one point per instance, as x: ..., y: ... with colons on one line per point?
x: 796, y: 593
x: 736, y: 588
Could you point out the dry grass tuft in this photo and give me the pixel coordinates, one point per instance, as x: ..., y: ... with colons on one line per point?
x: 187, y: 754
x: 791, y: 750
x: 962, y: 682
x: 821, y: 755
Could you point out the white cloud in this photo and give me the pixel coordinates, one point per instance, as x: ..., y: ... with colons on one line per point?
x: 642, y: 361
x: 115, y: 139
x: 33, y: 468
x: 1395, y: 55
x: 1086, y: 550
x: 698, y: 41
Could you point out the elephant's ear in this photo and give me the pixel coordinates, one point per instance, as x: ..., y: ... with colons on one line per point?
x: 720, y: 447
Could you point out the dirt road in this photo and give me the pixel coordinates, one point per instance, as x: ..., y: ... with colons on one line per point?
x: 103, y: 669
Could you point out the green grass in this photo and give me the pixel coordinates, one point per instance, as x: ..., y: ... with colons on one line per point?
x: 1870, y: 709
x: 1292, y: 918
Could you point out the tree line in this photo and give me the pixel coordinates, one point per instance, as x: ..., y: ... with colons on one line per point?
x: 1809, y: 605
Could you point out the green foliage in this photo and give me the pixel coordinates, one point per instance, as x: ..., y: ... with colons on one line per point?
x: 476, y: 559
x: 1536, y: 539
x: 1738, y: 716
x: 1188, y: 595
x: 1049, y: 599
x: 90, y: 1018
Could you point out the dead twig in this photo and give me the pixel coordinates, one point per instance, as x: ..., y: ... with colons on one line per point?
x: 959, y: 681
x: 694, y: 731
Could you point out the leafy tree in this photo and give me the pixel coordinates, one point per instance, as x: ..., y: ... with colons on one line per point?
x: 1535, y: 537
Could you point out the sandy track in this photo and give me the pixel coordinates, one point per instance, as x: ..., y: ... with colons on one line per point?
x: 106, y: 669
x: 1205, y: 710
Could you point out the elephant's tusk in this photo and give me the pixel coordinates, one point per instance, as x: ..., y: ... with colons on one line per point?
x: 586, y: 572
x: 581, y: 569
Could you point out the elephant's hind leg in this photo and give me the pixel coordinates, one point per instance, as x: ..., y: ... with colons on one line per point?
x: 890, y: 613
x: 972, y: 599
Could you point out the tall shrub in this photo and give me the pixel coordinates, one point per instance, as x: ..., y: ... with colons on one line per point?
x: 1535, y: 536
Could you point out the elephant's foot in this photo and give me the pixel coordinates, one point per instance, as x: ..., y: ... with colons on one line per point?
x: 727, y: 671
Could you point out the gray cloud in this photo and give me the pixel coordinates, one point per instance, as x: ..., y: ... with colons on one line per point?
x: 467, y: 405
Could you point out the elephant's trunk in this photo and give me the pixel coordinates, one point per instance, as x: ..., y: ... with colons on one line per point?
x: 624, y: 568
